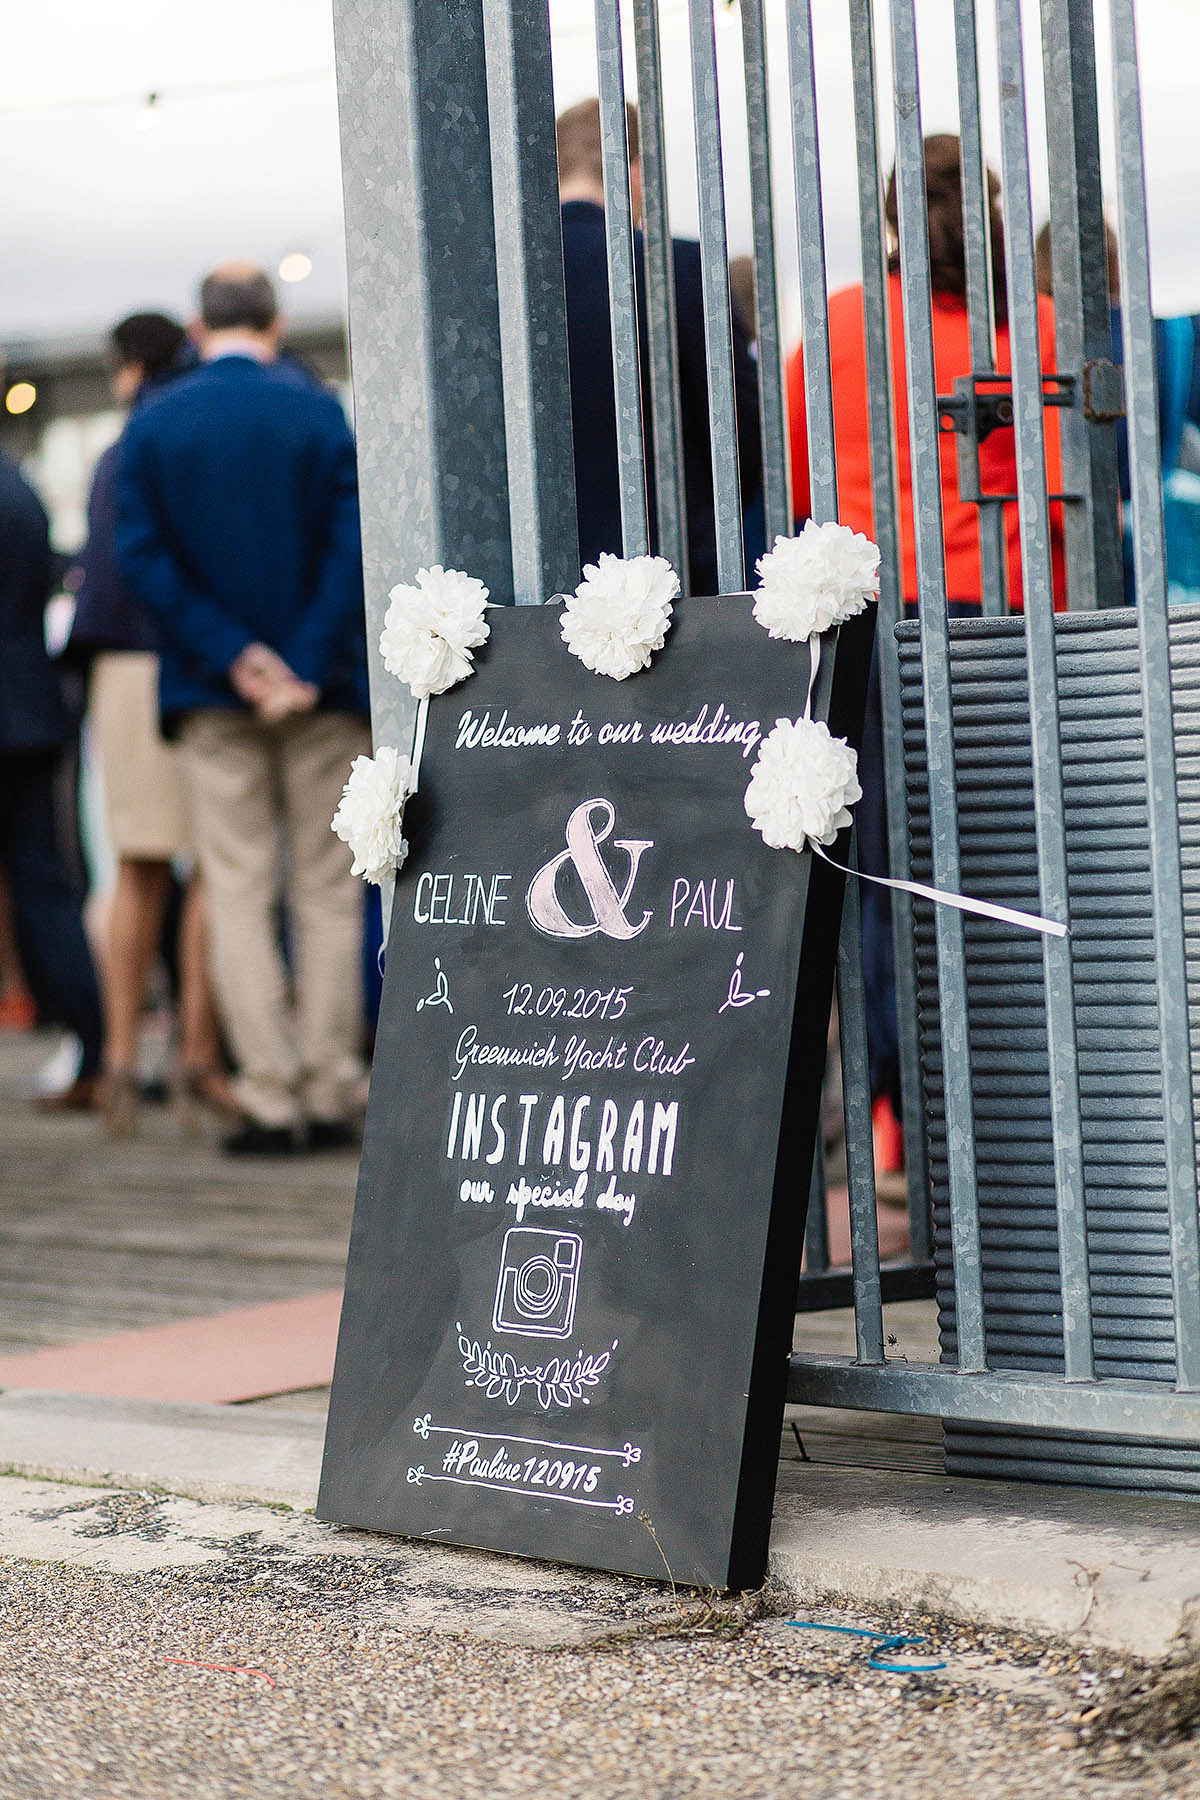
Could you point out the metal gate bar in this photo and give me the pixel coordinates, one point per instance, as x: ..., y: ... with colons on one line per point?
x: 532, y: 308
x: 1045, y: 729
x: 662, y: 338
x: 822, y: 473
x: 810, y: 232
x: 977, y: 248
x: 718, y: 308
x: 1157, y: 709
x: 935, y: 644
x: 886, y: 511
x: 622, y: 288
x: 860, y: 1170
x: 777, y: 496
x: 1095, y: 575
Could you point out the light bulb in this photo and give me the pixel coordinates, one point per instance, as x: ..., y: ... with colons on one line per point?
x: 295, y: 266
x: 20, y: 397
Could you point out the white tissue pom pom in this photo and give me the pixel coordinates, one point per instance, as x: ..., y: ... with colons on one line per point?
x: 620, y: 613
x: 430, y: 630
x: 370, y: 813
x: 803, y: 785
x: 816, y: 580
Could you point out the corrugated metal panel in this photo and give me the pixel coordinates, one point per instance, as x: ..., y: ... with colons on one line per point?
x: 1108, y: 856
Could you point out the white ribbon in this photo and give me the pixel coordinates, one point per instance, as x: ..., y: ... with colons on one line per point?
x: 1008, y: 915
x: 814, y: 652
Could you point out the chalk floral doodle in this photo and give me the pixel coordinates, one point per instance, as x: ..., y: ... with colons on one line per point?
x: 558, y: 1382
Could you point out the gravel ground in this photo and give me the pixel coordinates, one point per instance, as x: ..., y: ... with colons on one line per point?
x: 321, y: 1693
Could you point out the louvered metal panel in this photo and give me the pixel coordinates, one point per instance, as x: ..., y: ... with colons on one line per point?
x: 1116, y: 1007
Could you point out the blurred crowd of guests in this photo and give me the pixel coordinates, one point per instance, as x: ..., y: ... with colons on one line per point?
x: 219, y: 619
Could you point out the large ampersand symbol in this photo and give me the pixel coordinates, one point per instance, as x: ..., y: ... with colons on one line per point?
x: 583, y: 850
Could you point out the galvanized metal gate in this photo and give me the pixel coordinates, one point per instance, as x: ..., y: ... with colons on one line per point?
x: 458, y: 337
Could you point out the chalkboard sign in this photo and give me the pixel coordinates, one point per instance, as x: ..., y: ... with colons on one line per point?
x: 577, y: 1232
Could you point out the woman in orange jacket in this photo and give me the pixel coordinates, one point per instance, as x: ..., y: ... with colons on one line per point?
x: 952, y: 358
x: 960, y: 523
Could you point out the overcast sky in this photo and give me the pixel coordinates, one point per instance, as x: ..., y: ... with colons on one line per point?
x: 102, y: 215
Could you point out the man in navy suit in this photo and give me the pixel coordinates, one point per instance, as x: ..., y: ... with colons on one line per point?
x: 34, y: 731
x: 237, y: 527
x: 589, y: 343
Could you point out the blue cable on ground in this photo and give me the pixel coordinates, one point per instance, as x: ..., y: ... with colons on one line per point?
x: 883, y: 1640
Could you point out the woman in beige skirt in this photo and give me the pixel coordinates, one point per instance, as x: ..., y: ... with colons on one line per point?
x: 143, y: 789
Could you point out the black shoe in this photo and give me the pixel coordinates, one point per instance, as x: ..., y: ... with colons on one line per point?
x: 331, y: 1134
x: 253, y: 1139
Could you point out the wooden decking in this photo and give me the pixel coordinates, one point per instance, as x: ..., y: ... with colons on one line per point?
x: 99, y: 1239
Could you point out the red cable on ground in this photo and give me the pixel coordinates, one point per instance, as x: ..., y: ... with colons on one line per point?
x: 224, y: 1668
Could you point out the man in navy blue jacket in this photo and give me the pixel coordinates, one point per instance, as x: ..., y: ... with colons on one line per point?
x: 589, y: 343
x: 237, y: 527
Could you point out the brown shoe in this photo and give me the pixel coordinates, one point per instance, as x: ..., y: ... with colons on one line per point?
x: 85, y: 1094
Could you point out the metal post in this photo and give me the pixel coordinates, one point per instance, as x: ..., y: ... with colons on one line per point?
x: 935, y: 671
x: 860, y: 1168
x: 533, y: 317
x: 810, y: 229
x: 816, y: 1221
x: 1045, y: 730
x: 670, y: 491
x: 718, y: 310
x: 622, y: 289
x: 977, y: 246
x: 429, y: 404
x: 1082, y: 330
x: 777, y: 496
x: 886, y: 513
x: 1150, y: 572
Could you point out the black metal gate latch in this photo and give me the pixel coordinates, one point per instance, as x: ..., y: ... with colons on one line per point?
x: 981, y: 404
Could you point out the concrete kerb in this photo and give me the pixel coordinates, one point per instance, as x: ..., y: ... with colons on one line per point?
x: 1109, y: 1571
x: 198, y: 1451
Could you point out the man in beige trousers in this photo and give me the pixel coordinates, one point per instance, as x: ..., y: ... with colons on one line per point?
x: 237, y: 526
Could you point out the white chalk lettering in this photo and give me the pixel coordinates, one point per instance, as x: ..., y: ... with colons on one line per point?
x: 612, y: 1200
x: 454, y: 1112
x: 497, y: 1153
x: 610, y: 1118
x: 521, y: 1196
x: 631, y: 1154
x: 720, y: 729
x: 641, y: 1136
x: 555, y: 1132
x: 579, y: 1155
x: 473, y: 1127
x: 698, y: 901
x: 460, y: 899
x: 479, y: 733
x: 469, y: 1052
x: 652, y: 1058
x: 662, y: 1132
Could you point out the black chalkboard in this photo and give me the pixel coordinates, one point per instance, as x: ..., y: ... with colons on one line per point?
x: 581, y: 1201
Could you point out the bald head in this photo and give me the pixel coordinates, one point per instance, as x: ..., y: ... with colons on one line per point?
x: 238, y: 296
